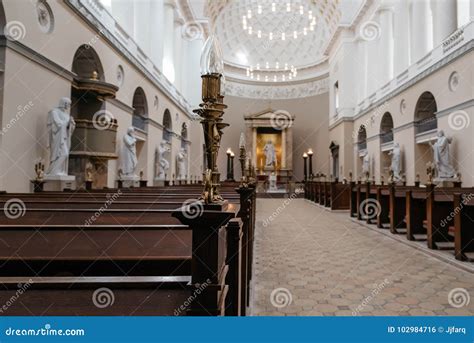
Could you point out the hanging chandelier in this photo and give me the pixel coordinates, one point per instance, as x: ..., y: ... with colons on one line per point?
x: 299, y: 11
x: 267, y: 73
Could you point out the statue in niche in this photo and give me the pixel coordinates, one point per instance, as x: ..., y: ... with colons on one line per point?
x: 442, y: 157
x: 366, y: 164
x: 129, y: 153
x: 162, y: 164
x: 396, y: 162
x: 270, y: 154
x: 181, y: 164
x: 60, y: 127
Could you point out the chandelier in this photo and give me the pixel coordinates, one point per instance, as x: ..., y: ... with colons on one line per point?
x: 274, y: 73
x: 299, y: 12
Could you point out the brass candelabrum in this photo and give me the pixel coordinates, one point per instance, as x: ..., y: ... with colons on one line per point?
x: 211, y: 112
x: 242, y: 159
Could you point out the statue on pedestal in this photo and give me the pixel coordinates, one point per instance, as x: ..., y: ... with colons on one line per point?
x: 396, y: 162
x: 270, y: 154
x: 181, y: 164
x: 366, y: 164
x: 129, y: 153
x: 60, y: 127
x: 442, y: 158
x: 162, y: 164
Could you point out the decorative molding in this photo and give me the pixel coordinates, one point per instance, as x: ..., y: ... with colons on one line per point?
x: 285, y: 91
x: 92, y: 13
x: 458, y: 107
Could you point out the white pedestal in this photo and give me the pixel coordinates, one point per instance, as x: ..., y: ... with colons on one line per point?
x: 58, y: 183
x: 445, y: 182
x: 130, y: 181
x: 273, y: 183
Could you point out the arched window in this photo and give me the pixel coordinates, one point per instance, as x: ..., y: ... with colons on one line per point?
x: 386, y: 128
x: 167, y: 126
x: 425, y: 113
x: 184, y: 135
x: 140, y: 109
x: 362, y: 138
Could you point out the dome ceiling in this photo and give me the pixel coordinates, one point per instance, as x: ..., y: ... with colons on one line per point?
x: 267, y: 34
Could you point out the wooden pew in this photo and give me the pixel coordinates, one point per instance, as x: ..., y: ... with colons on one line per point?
x: 463, y: 226
x: 340, y: 194
x: 416, y: 213
x: 354, y: 206
x: 383, y: 198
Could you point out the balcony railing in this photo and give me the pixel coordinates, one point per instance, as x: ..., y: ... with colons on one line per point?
x: 362, y: 145
x: 425, y: 125
x: 386, y: 137
x: 139, y: 122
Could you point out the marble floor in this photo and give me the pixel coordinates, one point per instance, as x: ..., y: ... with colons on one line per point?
x: 312, y: 262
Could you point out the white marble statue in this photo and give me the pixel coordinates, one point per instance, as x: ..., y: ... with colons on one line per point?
x: 129, y: 153
x: 162, y: 164
x: 396, y: 161
x: 366, y: 164
x: 181, y: 164
x: 442, y: 157
x: 60, y: 127
x: 270, y: 154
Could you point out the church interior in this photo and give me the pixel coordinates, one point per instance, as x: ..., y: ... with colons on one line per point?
x: 237, y: 157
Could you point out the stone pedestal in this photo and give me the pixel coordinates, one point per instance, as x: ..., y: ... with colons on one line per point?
x: 447, y: 182
x: 272, y: 183
x: 130, y: 181
x: 158, y: 182
x: 58, y: 183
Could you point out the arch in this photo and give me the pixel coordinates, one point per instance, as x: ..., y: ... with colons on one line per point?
x: 362, y: 138
x: 86, y: 61
x: 425, y: 113
x: 184, y: 135
x: 167, y: 125
x: 386, y: 128
x: 140, y: 109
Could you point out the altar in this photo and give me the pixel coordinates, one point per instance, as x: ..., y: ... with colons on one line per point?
x: 270, y: 137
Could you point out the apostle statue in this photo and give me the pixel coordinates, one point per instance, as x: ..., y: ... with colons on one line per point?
x: 60, y: 127
x: 366, y: 164
x: 396, y: 161
x: 270, y: 154
x: 442, y: 158
x: 181, y: 164
x: 162, y: 164
x: 129, y: 153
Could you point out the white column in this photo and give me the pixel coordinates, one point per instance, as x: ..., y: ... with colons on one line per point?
x: 362, y: 53
x: 420, y: 29
x: 472, y: 10
x: 192, y: 77
x: 178, y: 50
x: 122, y: 11
x: 168, y: 40
x: 445, y: 19
x: 401, y: 37
x: 141, y: 24
x: 373, y: 61
x: 156, y: 36
x: 386, y: 45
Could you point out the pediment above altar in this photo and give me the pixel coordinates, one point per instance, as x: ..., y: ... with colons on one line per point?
x: 270, y: 118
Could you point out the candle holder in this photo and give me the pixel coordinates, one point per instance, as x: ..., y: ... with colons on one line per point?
x: 305, y: 159
x: 211, y: 112
x: 310, y: 156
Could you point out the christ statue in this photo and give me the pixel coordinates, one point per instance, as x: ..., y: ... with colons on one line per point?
x: 270, y: 154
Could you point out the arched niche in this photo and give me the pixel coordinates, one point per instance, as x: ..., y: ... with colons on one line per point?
x: 386, y: 128
x: 140, y: 109
x: 86, y: 63
x: 386, y: 141
x: 361, y: 138
x: 184, y: 136
x: 425, y: 113
x: 167, y: 126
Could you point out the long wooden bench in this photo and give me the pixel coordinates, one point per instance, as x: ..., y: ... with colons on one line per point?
x: 464, y: 226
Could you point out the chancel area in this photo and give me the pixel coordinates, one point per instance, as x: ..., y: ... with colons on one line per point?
x: 237, y: 158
